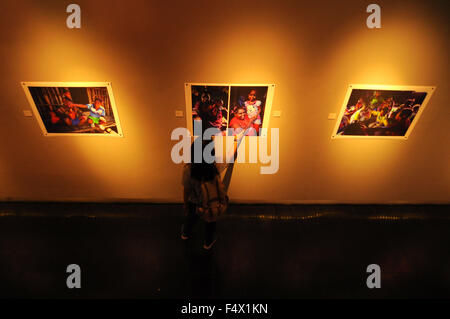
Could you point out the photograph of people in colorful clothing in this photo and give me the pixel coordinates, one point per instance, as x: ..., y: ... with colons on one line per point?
x: 75, y: 109
x: 247, y: 106
x: 380, y: 112
x: 238, y: 107
x: 210, y: 106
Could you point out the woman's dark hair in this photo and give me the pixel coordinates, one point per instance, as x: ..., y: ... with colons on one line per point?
x: 202, y: 171
x: 203, y: 109
x: 240, y: 108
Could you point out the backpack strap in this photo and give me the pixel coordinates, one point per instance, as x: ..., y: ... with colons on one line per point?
x: 210, y: 200
x: 218, y: 190
x: 205, y: 190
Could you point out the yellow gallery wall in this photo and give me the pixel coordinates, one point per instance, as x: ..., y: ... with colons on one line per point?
x: 311, y: 50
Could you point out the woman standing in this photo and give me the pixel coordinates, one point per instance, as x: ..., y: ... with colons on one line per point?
x: 204, y: 197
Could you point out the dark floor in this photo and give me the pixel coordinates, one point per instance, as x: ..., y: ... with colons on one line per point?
x: 264, y: 251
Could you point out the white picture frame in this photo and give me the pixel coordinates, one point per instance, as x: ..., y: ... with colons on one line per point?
x: 375, y: 87
x: 44, y: 125
x: 267, y: 107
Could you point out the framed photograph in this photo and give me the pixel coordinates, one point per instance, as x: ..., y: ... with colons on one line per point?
x: 231, y: 108
x: 74, y: 108
x: 381, y: 111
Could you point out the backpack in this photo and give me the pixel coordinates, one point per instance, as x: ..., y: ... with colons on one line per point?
x: 213, y: 205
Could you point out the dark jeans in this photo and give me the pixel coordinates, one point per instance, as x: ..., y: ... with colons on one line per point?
x: 191, y: 219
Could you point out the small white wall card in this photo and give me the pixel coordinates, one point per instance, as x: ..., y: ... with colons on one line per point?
x: 381, y: 111
x: 74, y: 108
x: 244, y: 107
